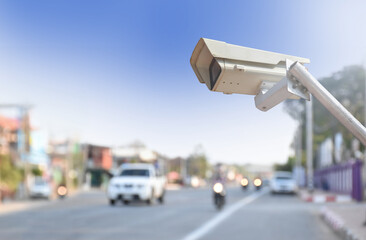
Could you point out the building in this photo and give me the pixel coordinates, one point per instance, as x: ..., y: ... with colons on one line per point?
x: 8, y: 136
x: 138, y: 153
x: 257, y: 170
x: 98, y: 164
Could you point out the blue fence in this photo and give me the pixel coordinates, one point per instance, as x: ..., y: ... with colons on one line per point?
x: 344, y: 178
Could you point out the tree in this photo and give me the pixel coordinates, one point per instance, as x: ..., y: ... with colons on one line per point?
x: 197, y: 163
x: 348, y: 87
x: 36, y: 172
x: 10, y: 176
x: 288, y: 166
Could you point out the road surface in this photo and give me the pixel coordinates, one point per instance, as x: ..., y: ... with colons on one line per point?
x: 187, y: 214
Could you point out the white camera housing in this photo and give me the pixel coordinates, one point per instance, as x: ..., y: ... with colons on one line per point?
x: 231, y: 69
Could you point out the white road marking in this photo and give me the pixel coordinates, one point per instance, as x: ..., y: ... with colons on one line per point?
x: 227, y: 212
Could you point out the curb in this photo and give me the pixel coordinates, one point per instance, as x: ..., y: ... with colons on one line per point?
x: 336, y: 223
x: 321, y: 198
x: 16, y: 206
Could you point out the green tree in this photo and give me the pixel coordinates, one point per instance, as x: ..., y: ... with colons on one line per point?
x: 10, y: 175
x: 197, y: 163
x: 288, y: 166
x: 36, y: 172
x: 348, y: 87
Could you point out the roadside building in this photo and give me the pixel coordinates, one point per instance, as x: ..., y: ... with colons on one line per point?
x: 8, y: 137
x: 98, y: 163
x: 258, y: 170
x: 177, y: 170
x: 58, y: 153
x: 138, y: 153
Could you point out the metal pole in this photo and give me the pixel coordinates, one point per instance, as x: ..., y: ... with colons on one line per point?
x: 67, y: 165
x: 364, y: 151
x: 182, y: 169
x: 328, y: 101
x: 364, y: 72
x: 0, y: 183
x: 298, y: 155
x: 309, y: 143
x: 22, y: 148
x: 299, y: 145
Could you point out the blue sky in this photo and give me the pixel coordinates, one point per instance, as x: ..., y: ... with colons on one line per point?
x: 111, y: 72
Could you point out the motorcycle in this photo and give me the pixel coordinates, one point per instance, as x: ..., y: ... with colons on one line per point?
x: 257, y: 183
x: 61, y: 191
x: 219, y: 195
x: 244, y: 183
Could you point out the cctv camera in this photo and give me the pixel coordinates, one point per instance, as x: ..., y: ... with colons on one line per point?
x: 272, y: 77
x: 230, y: 69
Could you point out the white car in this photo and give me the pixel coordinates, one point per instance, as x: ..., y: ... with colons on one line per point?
x: 40, y: 189
x: 136, y: 182
x: 283, y: 182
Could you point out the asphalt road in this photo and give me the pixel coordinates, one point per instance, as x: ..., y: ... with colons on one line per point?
x: 186, y: 215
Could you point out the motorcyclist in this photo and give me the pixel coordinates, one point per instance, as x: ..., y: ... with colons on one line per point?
x: 219, y: 191
x: 219, y: 173
x: 258, y: 183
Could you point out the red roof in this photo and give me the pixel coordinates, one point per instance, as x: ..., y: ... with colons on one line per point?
x: 9, y: 123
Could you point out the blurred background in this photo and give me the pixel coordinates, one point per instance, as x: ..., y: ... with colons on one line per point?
x: 88, y: 86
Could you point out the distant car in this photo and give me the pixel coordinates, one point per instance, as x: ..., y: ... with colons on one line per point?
x: 136, y: 182
x: 283, y: 182
x: 265, y: 182
x: 40, y: 189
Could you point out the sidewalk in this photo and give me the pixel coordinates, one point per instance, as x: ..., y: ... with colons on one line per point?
x: 318, y: 196
x: 20, y: 205
x: 343, y: 215
x: 15, y: 206
x: 346, y: 220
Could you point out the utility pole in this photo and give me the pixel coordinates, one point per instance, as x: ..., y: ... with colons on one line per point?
x: 309, y: 143
x: 298, y: 147
x: 23, y: 133
x: 183, y: 168
x: 364, y: 151
x: 71, y: 165
x: 0, y: 184
x: 68, y: 166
